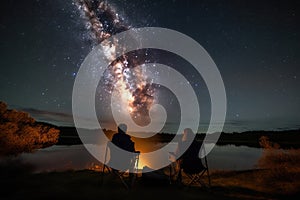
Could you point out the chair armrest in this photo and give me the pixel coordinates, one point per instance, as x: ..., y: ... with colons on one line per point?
x: 172, y: 156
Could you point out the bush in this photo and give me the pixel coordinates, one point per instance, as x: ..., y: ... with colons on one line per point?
x: 275, y: 157
x: 282, y: 165
x: 19, y: 132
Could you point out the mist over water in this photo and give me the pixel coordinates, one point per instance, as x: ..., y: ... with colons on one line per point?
x: 76, y: 157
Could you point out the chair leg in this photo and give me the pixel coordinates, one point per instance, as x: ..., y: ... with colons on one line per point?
x: 196, y: 178
x: 173, y: 174
x: 114, y: 172
x: 102, y: 174
x: 124, y: 183
x: 179, y: 178
x: 193, y: 179
x: 120, y: 175
x: 132, y: 178
x: 209, y: 183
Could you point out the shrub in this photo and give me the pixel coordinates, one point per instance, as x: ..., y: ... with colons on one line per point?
x: 19, y: 132
x: 282, y: 165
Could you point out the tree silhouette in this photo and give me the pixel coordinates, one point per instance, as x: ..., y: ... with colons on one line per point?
x: 19, y: 132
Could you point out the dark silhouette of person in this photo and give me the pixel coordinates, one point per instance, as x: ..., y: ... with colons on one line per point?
x: 124, y: 160
x: 186, y: 154
x: 123, y: 140
x: 187, y: 146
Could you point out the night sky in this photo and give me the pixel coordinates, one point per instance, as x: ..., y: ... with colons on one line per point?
x: 255, y: 45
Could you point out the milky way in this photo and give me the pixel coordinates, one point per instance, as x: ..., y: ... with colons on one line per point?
x: 125, y: 74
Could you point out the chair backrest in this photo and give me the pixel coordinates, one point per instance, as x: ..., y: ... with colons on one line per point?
x: 116, y: 157
x: 190, y: 161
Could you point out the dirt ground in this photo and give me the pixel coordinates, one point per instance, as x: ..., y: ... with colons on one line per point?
x: 88, y: 184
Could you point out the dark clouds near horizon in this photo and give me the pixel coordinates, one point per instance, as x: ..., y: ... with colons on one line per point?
x: 255, y: 44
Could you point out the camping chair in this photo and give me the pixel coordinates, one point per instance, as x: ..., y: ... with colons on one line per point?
x: 192, y: 166
x: 131, y: 163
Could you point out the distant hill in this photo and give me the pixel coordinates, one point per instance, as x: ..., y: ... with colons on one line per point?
x: 285, y: 138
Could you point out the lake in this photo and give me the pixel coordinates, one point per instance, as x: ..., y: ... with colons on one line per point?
x: 60, y: 157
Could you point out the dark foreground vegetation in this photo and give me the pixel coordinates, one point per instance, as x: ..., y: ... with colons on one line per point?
x: 86, y: 184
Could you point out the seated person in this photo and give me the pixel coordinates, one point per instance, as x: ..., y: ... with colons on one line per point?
x: 186, y: 154
x: 120, y: 158
x: 123, y: 140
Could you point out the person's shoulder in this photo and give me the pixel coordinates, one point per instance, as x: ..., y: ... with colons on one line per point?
x: 197, y: 144
x: 126, y: 136
x: 116, y: 135
x: 121, y: 135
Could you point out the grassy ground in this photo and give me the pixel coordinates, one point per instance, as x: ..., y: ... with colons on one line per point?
x: 255, y: 184
x: 86, y: 184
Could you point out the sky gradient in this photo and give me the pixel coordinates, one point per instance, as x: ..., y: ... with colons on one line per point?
x: 255, y: 45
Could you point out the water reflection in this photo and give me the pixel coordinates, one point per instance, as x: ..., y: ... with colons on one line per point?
x: 59, y: 158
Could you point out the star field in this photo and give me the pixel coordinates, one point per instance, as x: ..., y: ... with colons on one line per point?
x: 256, y: 46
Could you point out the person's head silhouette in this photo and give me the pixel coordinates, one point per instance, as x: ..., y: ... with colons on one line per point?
x: 122, y: 128
x: 188, y: 134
